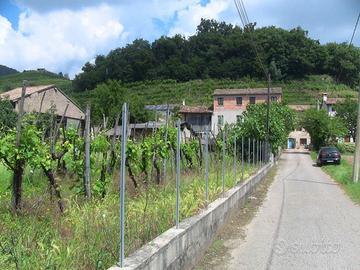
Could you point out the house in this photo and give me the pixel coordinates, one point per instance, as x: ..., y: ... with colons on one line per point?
x: 198, y: 117
x: 299, y: 138
x: 45, y: 97
x: 328, y: 104
x: 229, y: 104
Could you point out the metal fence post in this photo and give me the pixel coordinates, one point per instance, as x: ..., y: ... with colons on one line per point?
x: 223, y: 165
x: 253, y: 153
x: 260, y: 154
x: 178, y: 174
x: 249, y: 154
x: 257, y: 152
x: 206, y: 165
x: 87, y: 153
x: 235, y: 159
x: 122, y: 184
x: 242, y: 158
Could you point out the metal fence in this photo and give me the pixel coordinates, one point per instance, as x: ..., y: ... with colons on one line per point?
x: 248, y: 155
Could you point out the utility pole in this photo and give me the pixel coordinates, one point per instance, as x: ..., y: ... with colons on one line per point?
x: 356, y: 164
x: 267, y: 119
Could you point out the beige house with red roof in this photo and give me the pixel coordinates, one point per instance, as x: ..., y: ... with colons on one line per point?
x: 43, y: 98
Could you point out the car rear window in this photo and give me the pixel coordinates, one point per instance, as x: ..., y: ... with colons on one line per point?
x: 329, y: 150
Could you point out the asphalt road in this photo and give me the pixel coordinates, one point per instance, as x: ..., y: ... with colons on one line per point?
x: 305, y: 222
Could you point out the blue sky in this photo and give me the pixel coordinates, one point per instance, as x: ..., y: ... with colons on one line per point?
x: 61, y: 35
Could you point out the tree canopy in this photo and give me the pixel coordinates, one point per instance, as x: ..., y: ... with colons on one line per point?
x: 220, y: 50
x: 322, y: 128
x: 281, y: 122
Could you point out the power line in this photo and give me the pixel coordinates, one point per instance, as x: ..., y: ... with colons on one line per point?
x: 353, y: 34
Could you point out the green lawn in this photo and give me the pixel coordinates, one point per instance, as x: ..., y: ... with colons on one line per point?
x: 343, y: 175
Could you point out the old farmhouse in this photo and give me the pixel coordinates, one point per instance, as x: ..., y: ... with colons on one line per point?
x: 45, y: 97
x: 229, y: 104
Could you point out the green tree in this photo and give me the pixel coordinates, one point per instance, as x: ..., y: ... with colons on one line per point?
x: 281, y: 122
x: 322, y: 128
x: 347, y: 112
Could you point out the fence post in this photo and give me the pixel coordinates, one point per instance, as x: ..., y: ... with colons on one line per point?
x: 223, y: 165
x: 249, y: 154
x: 260, y: 152
x: 242, y: 158
x: 178, y: 174
x: 122, y: 183
x: 166, y: 138
x: 235, y: 159
x: 206, y: 165
x: 257, y: 153
x: 87, y: 152
x: 253, y: 153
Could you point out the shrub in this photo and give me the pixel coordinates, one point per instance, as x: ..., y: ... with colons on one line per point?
x: 346, y: 147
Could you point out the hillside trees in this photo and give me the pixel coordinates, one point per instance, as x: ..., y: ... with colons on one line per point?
x: 347, y: 112
x: 220, y: 50
x: 322, y: 128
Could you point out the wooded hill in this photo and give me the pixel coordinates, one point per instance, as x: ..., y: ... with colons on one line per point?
x: 223, y: 51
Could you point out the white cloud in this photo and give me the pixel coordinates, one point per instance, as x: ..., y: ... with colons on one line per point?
x: 60, y: 40
x: 190, y: 17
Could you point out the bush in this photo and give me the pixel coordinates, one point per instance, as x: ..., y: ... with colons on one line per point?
x: 346, y: 147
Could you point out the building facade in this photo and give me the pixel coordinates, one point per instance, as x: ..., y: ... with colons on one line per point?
x: 229, y: 104
x: 42, y: 99
x: 198, y: 117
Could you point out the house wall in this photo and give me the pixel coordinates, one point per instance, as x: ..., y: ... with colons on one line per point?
x: 300, y: 134
x: 198, y: 121
x: 230, y: 109
x: 52, y: 97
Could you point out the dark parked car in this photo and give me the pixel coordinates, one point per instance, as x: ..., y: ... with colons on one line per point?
x: 328, y: 155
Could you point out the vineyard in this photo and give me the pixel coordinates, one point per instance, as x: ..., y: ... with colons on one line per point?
x: 54, y: 216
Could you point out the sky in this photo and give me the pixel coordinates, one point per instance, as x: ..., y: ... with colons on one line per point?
x: 62, y: 35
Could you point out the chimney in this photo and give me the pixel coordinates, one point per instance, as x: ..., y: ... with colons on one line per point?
x: 324, y: 95
x: 183, y: 102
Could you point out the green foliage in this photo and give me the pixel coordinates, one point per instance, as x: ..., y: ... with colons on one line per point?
x: 346, y: 147
x: 8, y: 117
x: 347, y: 112
x: 107, y: 99
x: 281, y: 122
x: 4, y: 70
x: 220, y: 50
x: 34, y: 78
x: 322, y: 128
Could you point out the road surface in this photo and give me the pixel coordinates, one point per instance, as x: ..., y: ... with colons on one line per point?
x: 305, y: 222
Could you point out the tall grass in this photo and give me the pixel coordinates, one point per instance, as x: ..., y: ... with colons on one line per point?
x: 343, y: 175
x: 86, y: 236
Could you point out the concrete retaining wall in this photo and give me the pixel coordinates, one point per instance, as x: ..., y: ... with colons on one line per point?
x: 181, y: 248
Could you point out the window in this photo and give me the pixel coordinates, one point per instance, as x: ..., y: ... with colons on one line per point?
x: 238, y: 100
x: 220, y: 120
x: 252, y: 100
x: 238, y: 119
x: 220, y: 101
x: 273, y: 98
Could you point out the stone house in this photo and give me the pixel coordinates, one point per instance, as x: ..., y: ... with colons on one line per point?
x: 45, y: 97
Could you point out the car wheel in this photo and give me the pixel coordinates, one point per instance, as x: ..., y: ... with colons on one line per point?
x: 319, y: 164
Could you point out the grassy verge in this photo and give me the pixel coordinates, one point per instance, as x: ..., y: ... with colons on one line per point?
x: 86, y: 236
x: 343, y: 175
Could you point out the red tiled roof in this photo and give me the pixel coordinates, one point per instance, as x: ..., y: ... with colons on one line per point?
x: 195, y: 109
